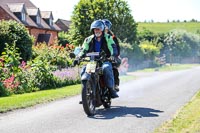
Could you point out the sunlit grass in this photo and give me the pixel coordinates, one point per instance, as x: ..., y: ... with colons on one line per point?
x: 168, y: 67
x: 125, y: 78
x: 30, y: 99
x: 167, y: 27
x: 187, y: 120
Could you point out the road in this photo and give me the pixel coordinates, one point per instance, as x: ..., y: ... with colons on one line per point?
x: 143, y: 105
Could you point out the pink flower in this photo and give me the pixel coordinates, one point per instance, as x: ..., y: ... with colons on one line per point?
x: 10, y: 83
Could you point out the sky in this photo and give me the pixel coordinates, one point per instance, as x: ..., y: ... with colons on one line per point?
x: 141, y: 10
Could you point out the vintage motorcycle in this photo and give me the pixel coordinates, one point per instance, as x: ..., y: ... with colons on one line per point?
x: 94, y: 92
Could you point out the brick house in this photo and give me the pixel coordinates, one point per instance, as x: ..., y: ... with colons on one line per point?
x: 39, y: 23
x: 63, y: 24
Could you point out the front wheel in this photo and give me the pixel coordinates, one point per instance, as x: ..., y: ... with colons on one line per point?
x: 88, y: 99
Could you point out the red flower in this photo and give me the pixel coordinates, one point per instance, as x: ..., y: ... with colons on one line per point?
x: 10, y: 82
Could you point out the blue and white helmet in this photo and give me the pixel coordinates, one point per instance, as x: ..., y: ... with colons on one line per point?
x: 97, y: 24
x: 107, y: 23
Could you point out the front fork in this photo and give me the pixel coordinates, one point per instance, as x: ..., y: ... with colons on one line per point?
x: 91, y: 76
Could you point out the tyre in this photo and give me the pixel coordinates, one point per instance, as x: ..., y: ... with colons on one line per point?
x: 106, y: 99
x: 88, y: 98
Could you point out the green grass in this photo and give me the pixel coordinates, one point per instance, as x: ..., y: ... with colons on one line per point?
x: 125, y: 78
x: 187, y: 120
x: 173, y: 67
x: 166, y: 27
x: 30, y: 99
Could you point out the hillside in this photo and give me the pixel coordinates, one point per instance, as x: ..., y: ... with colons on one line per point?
x: 193, y: 27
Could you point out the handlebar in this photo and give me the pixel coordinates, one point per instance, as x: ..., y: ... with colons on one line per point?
x: 94, y: 56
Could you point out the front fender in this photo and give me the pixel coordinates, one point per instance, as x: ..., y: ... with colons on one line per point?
x: 85, y: 76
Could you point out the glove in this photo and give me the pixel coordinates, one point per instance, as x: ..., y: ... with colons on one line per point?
x: 112, y: 58
x: 118, y: 62
x: 76, y: 62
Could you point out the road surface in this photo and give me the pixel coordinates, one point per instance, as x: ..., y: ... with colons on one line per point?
x: 143, y: 105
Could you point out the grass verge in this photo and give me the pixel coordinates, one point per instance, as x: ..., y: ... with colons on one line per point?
x: 187, y: 120
x: 168, y: 67
x: 30, y: 99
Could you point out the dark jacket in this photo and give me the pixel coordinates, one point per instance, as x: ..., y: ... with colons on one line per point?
x: 116, y: 41
x: 108, y: 45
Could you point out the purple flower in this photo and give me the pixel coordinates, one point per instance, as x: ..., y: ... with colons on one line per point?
x: 67, y: 74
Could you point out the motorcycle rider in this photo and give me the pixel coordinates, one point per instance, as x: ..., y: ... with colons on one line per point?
x: 108, y: 25
x: 97, y: 42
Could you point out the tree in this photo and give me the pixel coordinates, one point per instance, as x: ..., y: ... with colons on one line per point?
x: 175, y: 45
x: 117, y: 11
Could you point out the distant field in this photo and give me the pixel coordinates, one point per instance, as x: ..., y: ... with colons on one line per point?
x: 166, y: 27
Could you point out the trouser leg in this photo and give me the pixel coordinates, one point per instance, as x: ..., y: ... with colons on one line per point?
x: 109, y: 78
x: 116, y: 76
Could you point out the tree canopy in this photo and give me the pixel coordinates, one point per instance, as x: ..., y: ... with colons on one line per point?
x: 117, y: 11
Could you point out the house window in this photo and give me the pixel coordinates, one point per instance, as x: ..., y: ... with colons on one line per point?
x: 38, y: 19
x: 43, y: 38
x: 23, y: 16
x: 50, y: 22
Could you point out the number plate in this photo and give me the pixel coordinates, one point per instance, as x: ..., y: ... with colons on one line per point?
x: 91, y: 67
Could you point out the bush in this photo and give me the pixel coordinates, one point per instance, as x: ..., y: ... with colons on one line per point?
x: 12, y: 31
x: 182, y: 44
x: 56, y: 55
x: 9, y: 62
x: 37, y: 74
x: 62, y: 38
x: 150, y: 49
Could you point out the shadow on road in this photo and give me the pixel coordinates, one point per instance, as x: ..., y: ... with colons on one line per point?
x: 123, y: 111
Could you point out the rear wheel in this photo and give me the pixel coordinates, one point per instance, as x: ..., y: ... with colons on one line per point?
x: 88, y: 99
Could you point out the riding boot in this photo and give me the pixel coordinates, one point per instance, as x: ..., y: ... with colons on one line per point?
x: 117, y: 88
x: 113, y: 93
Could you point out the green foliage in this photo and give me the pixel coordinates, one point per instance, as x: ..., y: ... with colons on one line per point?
x: 193, y: 40
x: 9, y: 69
x: 56, y: 55
x: 182, y: 44
x: 62, y: 38
x: 11, y: 58
x: 12, y: 31
x: 126, y: 50
x: 150, y: 49
x: 145, y: 34
x: 3, y: 90
x: 124, y: 25
x: 41, y: 74
x: 36, y: 74
x: 117, y: 11
x: 9, y: 62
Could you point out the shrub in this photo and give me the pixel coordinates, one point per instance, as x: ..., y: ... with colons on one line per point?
x: 56, y: 55
x: 9, y: 62
x: 150, y: 49
x: 11, y: 32
x: 37, y: 74
x: 182, y: 44
x: 62, y: 38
